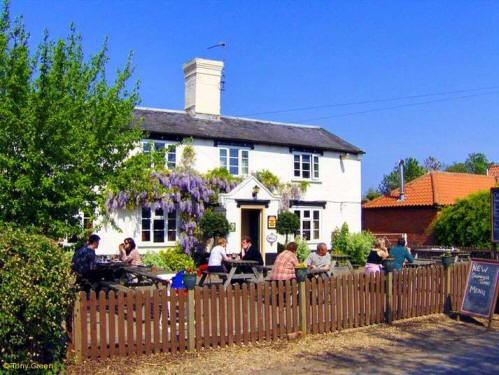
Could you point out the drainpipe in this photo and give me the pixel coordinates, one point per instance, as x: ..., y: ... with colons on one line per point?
x: 402, y: 186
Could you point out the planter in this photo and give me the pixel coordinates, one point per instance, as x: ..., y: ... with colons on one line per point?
x: 189, y: 280
x: 301, y: 274
x: 447, y: 260
x: 388, y: 264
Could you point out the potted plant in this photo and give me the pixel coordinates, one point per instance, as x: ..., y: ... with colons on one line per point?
x: 447, y: 259
x: 301, y: 272
x: 189, y: 278
x: 388, y: 264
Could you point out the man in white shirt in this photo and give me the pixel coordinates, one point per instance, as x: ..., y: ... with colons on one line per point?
x: 320, y: 259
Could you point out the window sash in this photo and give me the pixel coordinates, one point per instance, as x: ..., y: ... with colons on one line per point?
x: 171, y: 155
x: 306, y: 166
x: 157, y: 228
x: 309, y: 224
x: 235, y: 160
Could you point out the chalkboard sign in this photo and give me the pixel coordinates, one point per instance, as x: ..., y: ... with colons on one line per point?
x: 494, y: 214
x: 481, y: 288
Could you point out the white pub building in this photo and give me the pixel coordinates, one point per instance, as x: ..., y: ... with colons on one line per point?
x: 294, y: 153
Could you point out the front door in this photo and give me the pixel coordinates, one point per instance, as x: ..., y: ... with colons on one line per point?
x: 251, y: 221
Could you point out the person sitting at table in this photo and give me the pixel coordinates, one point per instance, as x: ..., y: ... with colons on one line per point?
x: 84, y: 262
x: 250, y: 252
x: 285, y: 263
x: 376, y: 256
x: 217, y: 256
x: 128, y: 252
x: 320, y: 260
x: 400, y: 253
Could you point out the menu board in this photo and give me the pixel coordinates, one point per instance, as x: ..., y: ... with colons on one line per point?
x: 494, y: 214
x: 481, y: 288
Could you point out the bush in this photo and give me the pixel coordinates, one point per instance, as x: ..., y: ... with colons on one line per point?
x: 467, y: 223
x: 358, y: 246
x: 214, y: 224
x: 36, y: 290
x: 339, y: 239
x: 303, y: 251
x: 172, y: 260
x: 287, y: 223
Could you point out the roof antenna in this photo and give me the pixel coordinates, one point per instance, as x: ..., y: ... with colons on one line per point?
x: 222, y: 44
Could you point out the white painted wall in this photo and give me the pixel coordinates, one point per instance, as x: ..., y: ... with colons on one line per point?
x: 339, y: 185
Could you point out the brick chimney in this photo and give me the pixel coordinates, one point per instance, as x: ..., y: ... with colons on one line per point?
x: 202, y: 86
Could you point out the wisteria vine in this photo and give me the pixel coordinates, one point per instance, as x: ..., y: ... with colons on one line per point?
x: 185, y: 192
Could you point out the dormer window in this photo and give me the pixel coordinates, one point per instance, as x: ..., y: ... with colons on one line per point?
x: 306, y: 166
x: 235, y: 160
x: 171, y: 156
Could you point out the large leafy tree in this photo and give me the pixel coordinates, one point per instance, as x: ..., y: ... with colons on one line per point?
x: 412, y: 170
x: 476, y: 163
x: 467, y: 223
x: 64, y: 128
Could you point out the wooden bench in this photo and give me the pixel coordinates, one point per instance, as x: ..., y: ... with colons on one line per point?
x: 206, y: 273
x: 114, y: 286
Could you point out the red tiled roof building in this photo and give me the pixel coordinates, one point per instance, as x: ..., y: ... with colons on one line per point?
x: 424, y: 198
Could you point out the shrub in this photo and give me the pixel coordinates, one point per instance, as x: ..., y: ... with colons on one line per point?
x: 339, y: 239
x: 467, y: 223
x: 303, y: 250
x: 287, y: 223
x: 214, y: 224
x: 358, y: 246
x: 270, y: 180
x: 172, y: 260
x: 36, y: 290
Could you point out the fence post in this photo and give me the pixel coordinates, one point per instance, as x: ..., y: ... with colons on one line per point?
x: 191, y: 332
x: 77, y: 328
x: 303, y: 307
x: 389, y: 297
x: 448, y: 302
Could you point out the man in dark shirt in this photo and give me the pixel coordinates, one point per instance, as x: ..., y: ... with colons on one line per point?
x: 250, y: 252
x: 84, y: 258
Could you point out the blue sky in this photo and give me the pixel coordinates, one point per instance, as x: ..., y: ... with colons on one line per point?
x: 283, y: 55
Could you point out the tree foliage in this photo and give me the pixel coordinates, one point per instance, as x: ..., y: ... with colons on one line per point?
x: 476, y: 163
x: 214, y: 224
x: 287, y: 223
x: 467, y: 223
x: 412, y: 170
x: 64, y: 129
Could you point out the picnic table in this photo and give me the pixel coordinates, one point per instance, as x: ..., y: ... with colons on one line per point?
x: 235, y: 265
x: 157, y: 277
x: 317, y: 272
x: 421, y: 263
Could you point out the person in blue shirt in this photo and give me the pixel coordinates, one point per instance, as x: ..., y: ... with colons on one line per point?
x: 400, y: 253
x: 84, y: 258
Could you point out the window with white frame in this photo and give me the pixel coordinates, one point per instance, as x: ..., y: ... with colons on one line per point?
x: 306, y: 166
x: 171, y: 155
x: 309, y: 223
x: 157, y: 227
x: 235, y: 160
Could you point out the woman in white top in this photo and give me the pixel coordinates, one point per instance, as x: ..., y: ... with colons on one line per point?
x: 218, y: 255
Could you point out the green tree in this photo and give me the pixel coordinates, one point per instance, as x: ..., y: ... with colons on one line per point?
x: 64, y: 129
x: 412, y: 170
x: 467, y: 223
x: 371, y: 194
x: 287, y: 223
x: 339, y: 239
x: 214, y: 224
x: 476, y: 163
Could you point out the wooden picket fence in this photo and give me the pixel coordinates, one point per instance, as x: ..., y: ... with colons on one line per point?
x: 145, y: 322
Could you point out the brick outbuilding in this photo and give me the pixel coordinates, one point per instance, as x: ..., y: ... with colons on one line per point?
x: 424, y: 199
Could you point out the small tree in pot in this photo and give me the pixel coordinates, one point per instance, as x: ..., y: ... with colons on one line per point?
x: 214, y: 224
x: 287, y: 223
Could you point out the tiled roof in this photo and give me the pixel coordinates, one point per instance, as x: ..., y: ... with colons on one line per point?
x: 435, y: 188
x: 235, y: 129
x: 493, y: 171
